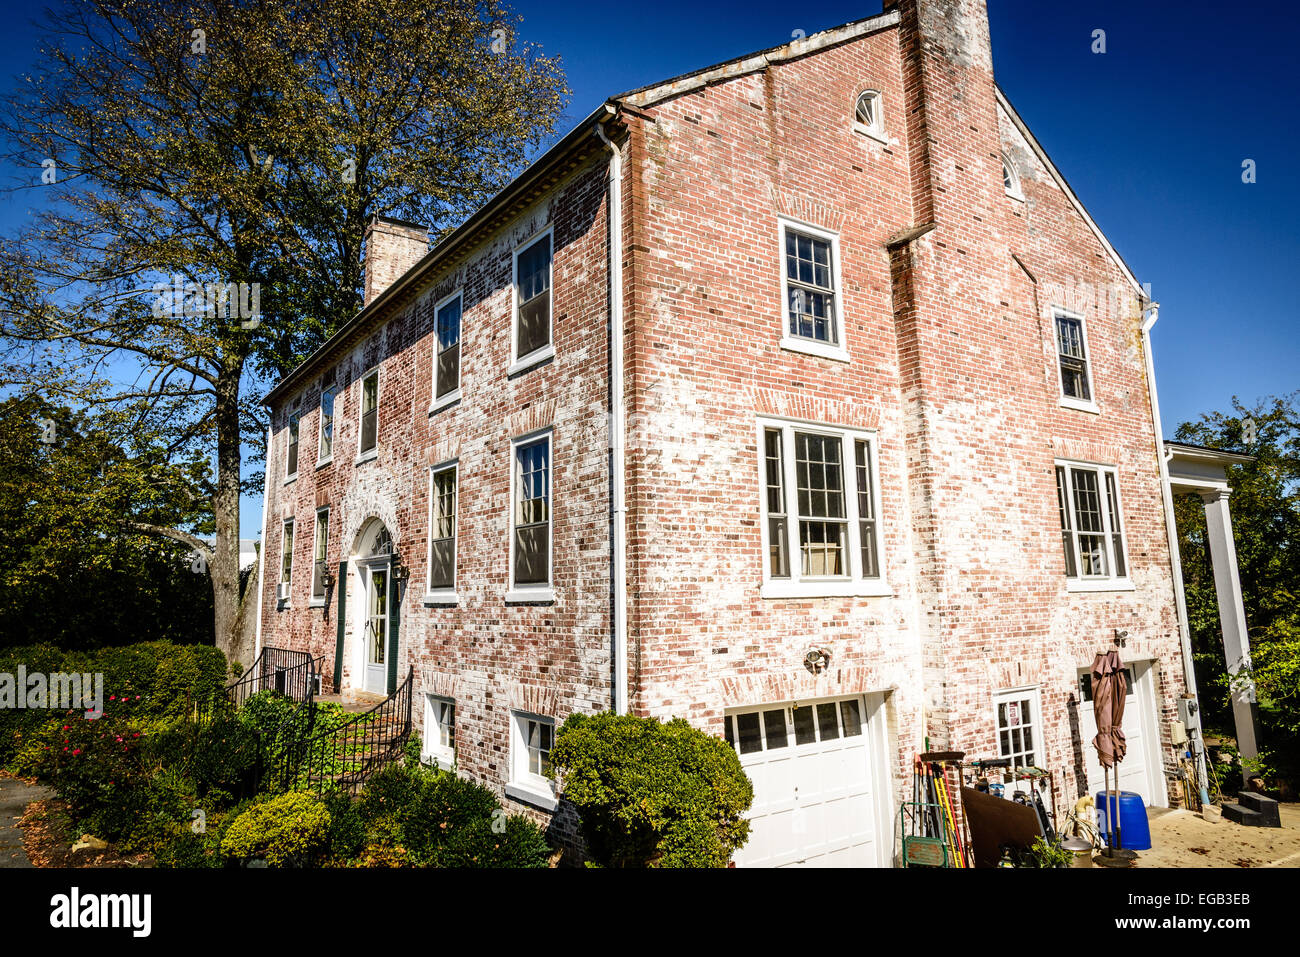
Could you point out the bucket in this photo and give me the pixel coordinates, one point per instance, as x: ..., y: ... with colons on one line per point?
x: 1080, y: 851
x: 1134, y: 833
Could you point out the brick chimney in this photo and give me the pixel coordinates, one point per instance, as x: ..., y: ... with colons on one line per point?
x: 392, y: 248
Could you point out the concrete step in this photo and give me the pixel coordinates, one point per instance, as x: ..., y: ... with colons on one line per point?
x: 1262, y: 805
x: 1243, y: 815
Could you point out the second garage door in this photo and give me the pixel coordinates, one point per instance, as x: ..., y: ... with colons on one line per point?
x: 1140, y: 771
x: 813, y: 765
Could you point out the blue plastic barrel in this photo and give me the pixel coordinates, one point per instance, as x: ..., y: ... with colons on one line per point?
x: 1134, y: 833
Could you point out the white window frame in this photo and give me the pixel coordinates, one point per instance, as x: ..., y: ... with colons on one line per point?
x: 319, y: 600
x: 1035, y: 724
x: 1013, y: 190
x: 797, y: 586
x: 452, y: 397
x: 519, y: 363
x: 435, y: 752
x: 366, y: 456
x: 524, y: 785
x: 536, y: 592
x: 1110, y: 582
x: 324, y: 458
x: 824, y: 350
x: 294, y: 422
x: 288, y: 538
x: 877, y: 130
x: 443, y: 596
x: 1069, y: 402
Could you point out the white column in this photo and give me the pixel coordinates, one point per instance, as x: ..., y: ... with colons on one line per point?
x: 1232, y: 616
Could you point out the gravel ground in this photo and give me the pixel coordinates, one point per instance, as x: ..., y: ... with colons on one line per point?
x: 1183, y: 839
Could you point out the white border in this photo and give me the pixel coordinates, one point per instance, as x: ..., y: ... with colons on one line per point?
x: 1112, y: 582
x: 1015, y: 190
x: 853, y: 584
x: 824, y: 350
x: 320, y: 424
x: 442, y: 596
x: 532, y: 593
x: 452, y: 397
x: 525, y: 786
x: 313, y: 601
x: 281, y: 579
x: 442, y: 758
x: 1068, y: 402
x: 876, y: 132
x: 361, y: 412
x: 519, y: 363
x: 288, y: 437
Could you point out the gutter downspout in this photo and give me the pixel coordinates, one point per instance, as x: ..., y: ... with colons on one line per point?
x: 261, y: 548
x: 618, y: 420
x: 1152, y: 310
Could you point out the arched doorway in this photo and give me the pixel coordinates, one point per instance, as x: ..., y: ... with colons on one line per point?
x: 374, y: 625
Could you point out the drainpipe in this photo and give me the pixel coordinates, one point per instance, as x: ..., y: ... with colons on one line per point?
x: 261, y: 549
x: 1152, y: 313
x: 618, y: 416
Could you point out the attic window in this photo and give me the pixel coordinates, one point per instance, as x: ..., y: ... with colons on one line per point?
x: 867, y: 114
x: 1010, y: 180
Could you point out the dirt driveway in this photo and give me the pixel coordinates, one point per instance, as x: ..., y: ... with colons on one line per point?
x: 1182, y: 839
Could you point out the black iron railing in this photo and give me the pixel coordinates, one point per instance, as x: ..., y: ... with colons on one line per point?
x: 290, y: 673
x: 345, y: 756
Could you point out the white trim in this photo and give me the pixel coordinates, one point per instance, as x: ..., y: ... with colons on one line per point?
x: 282, y: 579
x: 1095, y: 583
x: 452, y: 397
x: 1066, y: 401
x: 435, y: 753
x: 852, y: 584
x: 1014, y: 191
x: 538, y: 592
x: 294, y: 419
x: 442, y: 596
x: 523, y: 785
x: 1036, y: 724
x: 366, y: 456
x: 261, y: 553
x: 313, y: 600
x: 826, y: 350
x: 1065, y: 188
x: 877, y: 130
x: 519, y: 363
x: 320, y: 424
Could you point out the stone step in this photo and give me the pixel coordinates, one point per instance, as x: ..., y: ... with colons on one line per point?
x: 1243, y: 815
x: 1261, y: 804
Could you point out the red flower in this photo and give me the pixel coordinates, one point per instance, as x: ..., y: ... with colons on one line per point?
x: 76, y: 751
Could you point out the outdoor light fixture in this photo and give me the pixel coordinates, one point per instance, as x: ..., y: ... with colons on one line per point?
x: 327, y: 577
x: 817, y: 659
x: 1121, y: 637
x: 400, y: 572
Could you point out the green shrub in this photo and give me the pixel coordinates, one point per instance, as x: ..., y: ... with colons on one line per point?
x: 347, y: 834
x: 224, y: 755
x: 287, y: 830
x: 497, y: 842
x: 198, y: 845
x: 653, y: 794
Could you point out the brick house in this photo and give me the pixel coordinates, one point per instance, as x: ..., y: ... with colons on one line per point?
x: 879, y: 460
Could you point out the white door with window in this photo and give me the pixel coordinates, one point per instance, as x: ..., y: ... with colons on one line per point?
x: 375, y: 628
x: 813, y: 765
x: 1140, y: 770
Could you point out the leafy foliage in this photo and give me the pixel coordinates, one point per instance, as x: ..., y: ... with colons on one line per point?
x: 653, y: 794
x: 285, y: 830
x: 1266, y: 528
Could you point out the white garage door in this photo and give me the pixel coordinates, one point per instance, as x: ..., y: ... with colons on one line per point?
x: 812, y: 765
x: 1138, y: 772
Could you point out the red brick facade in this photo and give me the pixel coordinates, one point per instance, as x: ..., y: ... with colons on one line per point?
x: 947, y: 286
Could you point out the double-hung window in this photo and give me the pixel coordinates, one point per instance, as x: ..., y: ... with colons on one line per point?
x: 810, y: 279
x: 286, y: 558
x: 1092, y: 531
x: 325, y: 444
x: 442, y: 532
x: 439, y: 731
x: 1017, y: 723
x: 369, y: 409
x: 530, y: 532
x: 446, y: 348
x: 532, y: 302
x: 821, y: 532
x: 320, y: 553
x: 532, y: 736
x: 291, y: 460
x: 1073, y: 361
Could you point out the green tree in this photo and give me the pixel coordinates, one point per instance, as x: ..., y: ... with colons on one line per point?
x: 1266, y: 527
x: 63, y: 579
x: 237, y: 141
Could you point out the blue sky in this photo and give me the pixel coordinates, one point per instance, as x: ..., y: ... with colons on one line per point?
x: 1151, y: 134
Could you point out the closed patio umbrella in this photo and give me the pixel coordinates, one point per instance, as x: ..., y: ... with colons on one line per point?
x: 1109, y: 691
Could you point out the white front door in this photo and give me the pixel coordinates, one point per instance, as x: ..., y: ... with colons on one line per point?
x: 812, y: 767
x: 374, y: 637
x: 1135, y: 773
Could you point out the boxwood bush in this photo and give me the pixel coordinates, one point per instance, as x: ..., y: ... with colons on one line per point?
x: 652, y: 794
x: 287, y: 830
